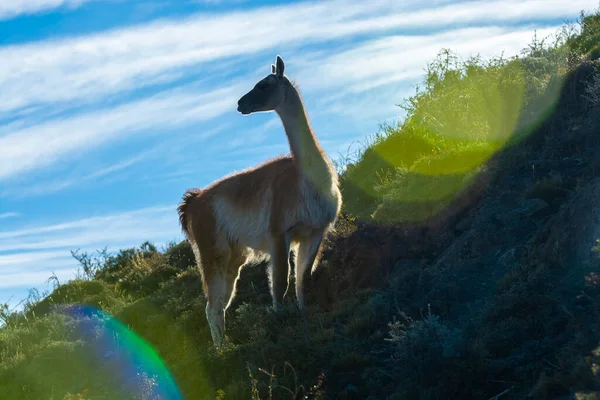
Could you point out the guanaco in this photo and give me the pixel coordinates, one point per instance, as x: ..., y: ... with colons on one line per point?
x: 289, y: 202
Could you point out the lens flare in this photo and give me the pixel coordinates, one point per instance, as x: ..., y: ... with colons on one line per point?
x: 435, y: 162
x: 134, y: 364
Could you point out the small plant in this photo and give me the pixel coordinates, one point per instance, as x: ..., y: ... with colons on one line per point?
x: 90, y: 264
x: 422, y: 350
x: 5, y: 314
x: 83, y: 395
x: 276, y: 390
x: 254, y: 385
x: 345, y: 225
x: 54, y: 280
x: 596, y: 248
x: 412, y: 336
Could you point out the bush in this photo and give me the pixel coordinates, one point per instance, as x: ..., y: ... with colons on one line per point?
x: 429, y: 347
x: 93, y: 293
x: 466, y: 112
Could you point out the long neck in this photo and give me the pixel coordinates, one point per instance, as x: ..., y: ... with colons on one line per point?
x: 306, y: 151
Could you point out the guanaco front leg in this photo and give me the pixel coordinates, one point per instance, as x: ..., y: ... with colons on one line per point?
x: 307, y: 257
x: 280, y: 250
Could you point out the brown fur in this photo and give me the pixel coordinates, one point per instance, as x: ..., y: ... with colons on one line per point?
x: 240, y: 189
x: 263, y: 210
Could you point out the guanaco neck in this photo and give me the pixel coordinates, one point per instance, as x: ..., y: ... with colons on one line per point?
x: 305, y: 149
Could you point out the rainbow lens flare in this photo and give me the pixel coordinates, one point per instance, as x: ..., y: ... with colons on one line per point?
x: 136, y: 367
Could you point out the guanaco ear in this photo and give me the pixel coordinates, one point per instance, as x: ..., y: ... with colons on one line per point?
x: 273, y: 68
x: 280, y: 67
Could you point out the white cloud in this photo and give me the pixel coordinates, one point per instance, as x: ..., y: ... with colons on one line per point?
x: 90, y: 223
x: 9, y: 215
x: 12, y: 8
x: 100, y: 64
x: 119, y: 232
x: 81, y: 68
x: 250, y: 137
x: 47, y: 188
x: 29, y: 279
x: 39, y: 249
x: 395, y: 58
x: 33, y: 147
x: 41, y: 145
x: 21, y: 258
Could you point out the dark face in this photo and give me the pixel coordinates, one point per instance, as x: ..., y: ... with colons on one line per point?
x: 267, y: 94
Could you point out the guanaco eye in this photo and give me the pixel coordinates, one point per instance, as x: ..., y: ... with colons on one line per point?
x: 262, y: 86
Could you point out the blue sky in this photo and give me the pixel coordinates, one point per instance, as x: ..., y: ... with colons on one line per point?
x: 111, y: 109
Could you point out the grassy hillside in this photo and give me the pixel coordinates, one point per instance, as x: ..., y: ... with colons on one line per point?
x: 465, y: 265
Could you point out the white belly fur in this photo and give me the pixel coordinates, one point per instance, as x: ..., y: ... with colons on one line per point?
x: 247, y: 229
x: 315, y: 211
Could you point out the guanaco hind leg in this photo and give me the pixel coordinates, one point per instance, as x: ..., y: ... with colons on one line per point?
x: 221, y: 291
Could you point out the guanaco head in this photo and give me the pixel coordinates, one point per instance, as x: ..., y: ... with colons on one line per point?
x: 268, y: 93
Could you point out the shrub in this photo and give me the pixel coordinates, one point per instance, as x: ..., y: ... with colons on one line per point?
x: 93, y: 293
x: 462, y: 115
x: 428, y: 338
x: 424, y: 351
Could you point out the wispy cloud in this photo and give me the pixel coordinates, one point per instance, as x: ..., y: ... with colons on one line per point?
x: 9, y: 215
x: 47, y: 188
x: 41, y: 248
x: 364, y: 82
x: 369, y: 64
x: 252, y: 136
x: 42, y: 145
x: 12, y: 8
x: 86, y: 223
x: 396, y: 58
x: 29, y: 279
x: 20, y: 258
x: 67, y: 70
x: 100, y: 64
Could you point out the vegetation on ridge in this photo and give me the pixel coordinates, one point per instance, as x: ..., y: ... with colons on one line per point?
x: 464, y: 265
